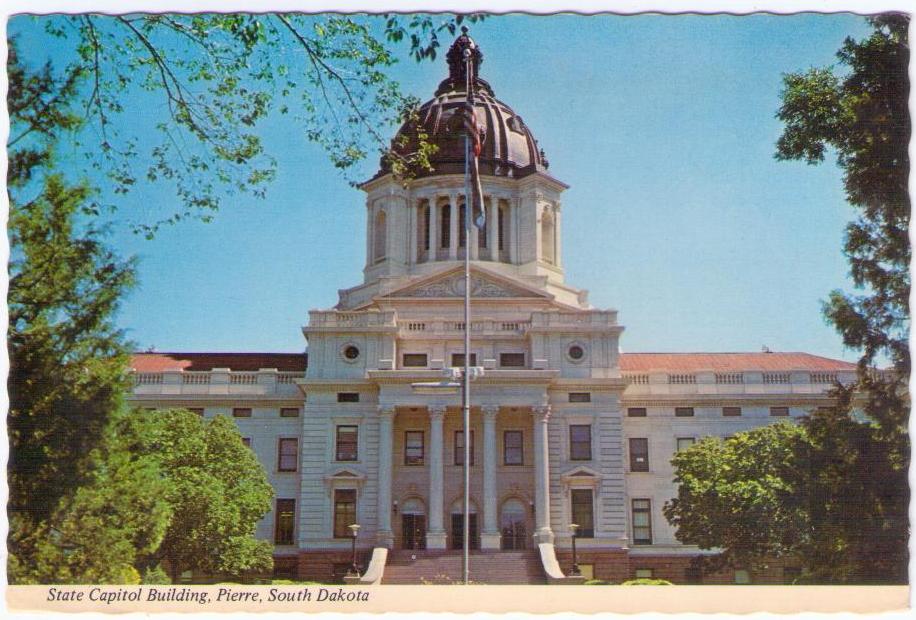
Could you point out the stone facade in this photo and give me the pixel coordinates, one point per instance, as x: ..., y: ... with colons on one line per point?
x: 563, y: 426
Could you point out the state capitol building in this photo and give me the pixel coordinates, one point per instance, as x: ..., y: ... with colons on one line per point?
x: 564, y: 428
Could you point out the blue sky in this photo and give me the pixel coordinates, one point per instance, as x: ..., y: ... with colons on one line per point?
x: 678, y: 215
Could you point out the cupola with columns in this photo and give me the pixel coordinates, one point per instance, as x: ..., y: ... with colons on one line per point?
x: 415, y: 227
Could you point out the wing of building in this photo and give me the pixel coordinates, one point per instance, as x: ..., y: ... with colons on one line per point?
x: 564, y: 428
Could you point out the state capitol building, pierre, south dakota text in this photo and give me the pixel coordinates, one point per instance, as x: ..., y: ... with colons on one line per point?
x: 564, y: 428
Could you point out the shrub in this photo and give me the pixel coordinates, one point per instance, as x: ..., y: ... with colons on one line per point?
x: 647, y: 582
x: 156, y: 576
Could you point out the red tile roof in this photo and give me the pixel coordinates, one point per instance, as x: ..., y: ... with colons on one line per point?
x: 629, y: 362
x: 158, y: 362
x: 730, y: 362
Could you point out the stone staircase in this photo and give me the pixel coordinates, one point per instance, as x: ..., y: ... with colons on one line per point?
x: 444, y: 567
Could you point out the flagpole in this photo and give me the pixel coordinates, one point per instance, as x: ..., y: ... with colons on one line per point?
x: 466, y: 387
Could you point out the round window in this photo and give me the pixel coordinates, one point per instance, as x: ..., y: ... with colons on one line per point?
x: 351, y: 352
x: 576, y: 352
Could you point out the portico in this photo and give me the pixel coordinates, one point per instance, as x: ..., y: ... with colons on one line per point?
x: 421, y: 451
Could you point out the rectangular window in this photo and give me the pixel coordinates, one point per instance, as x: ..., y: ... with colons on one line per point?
x: 642, y: 522
x: 348, y: 397
x: 414, y: 360
x: 197, y: 410
x: 639, y: 454
x: 512, y: 360
x: 241, y: 412
x: 580, y: 397
x: 347, y: 442
x: 289, y: 412
x: 685, y: 442
x: 458, y: 360
x: 683, y: 412
x: 285, y: 522
x: 413, y: 447
x: 459, y: 448
x: 344, y: 512
x: 583, y: 512
x: 287, y: 454
x: 644, y: 573
x: 513, y: 450
x: 580, y: 442
x: 246, y: 441
x: 731, y: 412
x: 636, y: 412
x: 779, y: 411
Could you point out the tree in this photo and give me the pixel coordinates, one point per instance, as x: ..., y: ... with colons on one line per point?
x: 739, y: 495
x: 218, y: 76
x: 863, y: 116
x: 218, y: 492
x: 104, y: 530
x: 832, y: 493
x: 67, y: 360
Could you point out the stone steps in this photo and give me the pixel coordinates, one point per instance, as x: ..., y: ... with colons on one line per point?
x: 444, y: 567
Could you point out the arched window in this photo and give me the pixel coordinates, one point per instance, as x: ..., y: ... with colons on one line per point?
x: 380, y: 236
x: 424, y: 215
x: 548, y: 237
x: 462, y: 233
x: 445, y: 231
x: 482, y: 232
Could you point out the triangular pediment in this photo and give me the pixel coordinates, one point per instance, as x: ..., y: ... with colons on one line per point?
x: 581, y: 474
x: 451, y: 283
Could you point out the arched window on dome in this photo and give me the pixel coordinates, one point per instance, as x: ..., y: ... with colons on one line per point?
x: 379, y: 237
x: 423, y: 230
x: 462, y: 232
x: 482, y: 232
x: 445, y: 231
x: 548, y: 237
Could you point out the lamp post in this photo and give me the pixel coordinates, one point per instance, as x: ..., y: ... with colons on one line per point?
x: 574, y: 527
x: 354, y: 532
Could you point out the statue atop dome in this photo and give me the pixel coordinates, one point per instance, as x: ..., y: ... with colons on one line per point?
x: 457, y: 67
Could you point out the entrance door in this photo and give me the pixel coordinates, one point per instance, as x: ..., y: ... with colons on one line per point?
x: 458, y: 531
x: 512, y: 525
x: 413, y: 531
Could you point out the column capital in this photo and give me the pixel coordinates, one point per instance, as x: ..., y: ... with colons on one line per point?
x: 541, y: 412
x: 436, y: 412
x: 489, y: 411
x: 386, y: 411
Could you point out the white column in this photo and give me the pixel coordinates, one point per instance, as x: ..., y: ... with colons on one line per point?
x: 544, y: 534
x: 489, y: 537
x: 557, y: 242
x: 512, y: 237
x: 433, y: 229
x: 453, y: 227
x: 413, y: 230
x: 493, y: 229
x: 385, y: 537
x: 435, y: 536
